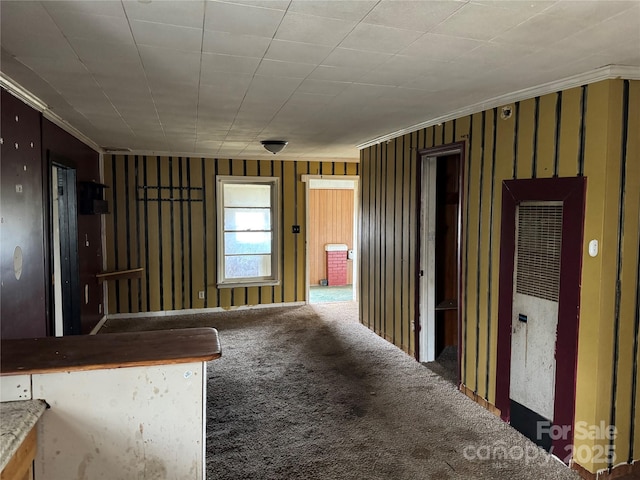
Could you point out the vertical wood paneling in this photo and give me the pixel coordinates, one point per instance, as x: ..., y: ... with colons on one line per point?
x: 546, y: 137
x: 301, y: 249
x: 224, y: 294
x: 175, y: 240
x: 577, y: 131
x: 389, y: 229
x: 569, y: 133
x: 398, y: 229
x: 196, y: 237
x: 366, y: 239
x: 266, y: 294
x: 525, y: 138
x: 288, y: 198
x: 631, y: 250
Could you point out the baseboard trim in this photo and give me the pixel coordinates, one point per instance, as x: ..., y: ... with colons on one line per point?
x: 483, y: 402
x: 193, y: 311
x: 98, y: 325
x: 616, y: 472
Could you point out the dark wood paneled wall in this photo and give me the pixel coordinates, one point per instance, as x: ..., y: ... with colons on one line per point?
x: 175, y: 241
x: 86, y: 160
x: 27, y: 137
x: 23, y: 302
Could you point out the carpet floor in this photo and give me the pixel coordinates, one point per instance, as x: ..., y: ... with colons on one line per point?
x: 309, y: 393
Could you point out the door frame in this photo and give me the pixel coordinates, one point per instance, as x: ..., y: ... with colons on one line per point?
x: 72, y: 312
x: 572, y: 192
x: 356, y: 223
x: 425, y: 337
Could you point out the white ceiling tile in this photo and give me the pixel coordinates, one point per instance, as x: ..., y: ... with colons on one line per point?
x: 412, y: 15
x: 226, y: 83
x: 540, y: 30
x: 101, y: 28
x: 275, y: 68
x: 19, y: 41
x: 377, y: 38
x: 589, y: 11
x: 481, y: 22
x: 47, y: 65
x: 440, y: 47
x: 269, y: 88
x: 213, y: 62
x: 157, y: 98
x: 287, y: 51
x: 272, y: 4
x: 322, y: 87
x: 337, y: 74
x: 527, y: 7
x: 94, y: 7
x: 122, y: 74
x: 242, y: 19
x: 345, y: 57
x: 25, y: 18
x: 344, y: 9
x: 186, y: 14
x: 170, y: 66
x: 492, y: 55
x: 170, y: 36
x: 297, y: 27
x: 304, y: 100
x: 234, y: 44
x: 96, y: 52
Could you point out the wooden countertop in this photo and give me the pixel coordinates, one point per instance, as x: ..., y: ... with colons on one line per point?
x: 111, y: 350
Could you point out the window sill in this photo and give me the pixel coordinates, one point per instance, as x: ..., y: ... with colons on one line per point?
x: 261, y: 283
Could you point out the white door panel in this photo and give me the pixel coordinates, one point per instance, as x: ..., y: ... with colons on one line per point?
x: 533, y: 358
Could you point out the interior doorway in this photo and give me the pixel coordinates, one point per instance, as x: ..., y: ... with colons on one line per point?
x: 440, y: 233
x: 331, y: 238
x: 538, y: 311
x: 65, y: 284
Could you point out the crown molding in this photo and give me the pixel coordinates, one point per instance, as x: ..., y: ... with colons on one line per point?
x: 604, y: 73
x: 36, y: 103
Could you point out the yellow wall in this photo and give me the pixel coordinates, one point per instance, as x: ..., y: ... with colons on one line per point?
x: 175, y: 241
x: 591, y: 116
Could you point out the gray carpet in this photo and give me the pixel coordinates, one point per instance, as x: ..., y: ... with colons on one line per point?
x: 308, y: 393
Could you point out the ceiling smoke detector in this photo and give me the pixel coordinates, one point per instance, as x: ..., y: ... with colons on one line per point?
x: 274, y: 146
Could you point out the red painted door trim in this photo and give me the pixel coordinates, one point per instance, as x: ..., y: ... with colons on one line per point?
x: 571, y: 191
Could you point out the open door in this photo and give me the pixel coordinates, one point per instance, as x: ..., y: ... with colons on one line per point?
x: 440, y: 225
x: 65, y: 284
x: 331, y: 238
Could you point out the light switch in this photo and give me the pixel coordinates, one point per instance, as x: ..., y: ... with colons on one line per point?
x: 593, y: 248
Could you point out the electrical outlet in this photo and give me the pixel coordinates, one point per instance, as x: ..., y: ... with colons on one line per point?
x: 201, y: 294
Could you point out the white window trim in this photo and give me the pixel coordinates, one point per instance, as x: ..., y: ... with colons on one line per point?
x: 274, y: 278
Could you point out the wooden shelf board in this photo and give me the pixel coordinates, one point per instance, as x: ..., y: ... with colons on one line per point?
x: 120, y: 274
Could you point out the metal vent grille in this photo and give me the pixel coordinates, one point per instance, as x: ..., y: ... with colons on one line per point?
x: 539, y: 240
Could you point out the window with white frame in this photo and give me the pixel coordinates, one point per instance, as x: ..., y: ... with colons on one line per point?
x: 248, y: 240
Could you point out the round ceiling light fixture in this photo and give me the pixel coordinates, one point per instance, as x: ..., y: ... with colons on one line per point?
x: 274, y: 146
